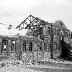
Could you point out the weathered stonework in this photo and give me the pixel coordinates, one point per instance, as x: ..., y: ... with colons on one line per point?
x: 40, y: 39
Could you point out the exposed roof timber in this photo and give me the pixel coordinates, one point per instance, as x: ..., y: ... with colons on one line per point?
x: 31, y: 19
x: 34, y: 21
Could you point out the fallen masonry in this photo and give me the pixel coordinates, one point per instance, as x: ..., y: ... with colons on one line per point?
x: 19, y: 66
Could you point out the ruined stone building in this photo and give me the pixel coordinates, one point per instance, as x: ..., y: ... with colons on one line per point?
x: 35, y: 39
x: 49, y: 33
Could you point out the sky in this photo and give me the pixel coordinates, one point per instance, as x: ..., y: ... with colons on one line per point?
x: 15, y: 11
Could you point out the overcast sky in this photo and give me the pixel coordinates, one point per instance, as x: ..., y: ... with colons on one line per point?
x: 15, y: 11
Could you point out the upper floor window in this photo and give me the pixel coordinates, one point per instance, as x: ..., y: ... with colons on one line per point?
x: 65, y: 34
x: 40, y: 48
x: 44, y: 46
x: 55, y: 31
x: 69, y: 35
x: 62, y: 38
x: 58, y: 32
x: 49, y: 30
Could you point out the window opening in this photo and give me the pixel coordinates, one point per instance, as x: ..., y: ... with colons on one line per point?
x: 30, y: 46
x: 13, y: 47
x: 24, y: 46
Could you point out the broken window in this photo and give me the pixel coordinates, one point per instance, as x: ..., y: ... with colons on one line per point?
x: 30, y: 46
x: 56, y: 48
x: 49, y: 30
x: 4, y: 45
x: 24, y: 46
x: 58, y: 32
x: 44, y: 46
x: 69, y: 35
x: 13, y: 47
x: 39, y: 46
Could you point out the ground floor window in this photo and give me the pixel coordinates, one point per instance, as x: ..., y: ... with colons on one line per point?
x: 24, y: 46
x: 48, y: 47
x: 13, y: 45
x: 45, y: 46
x: 4, y: 45
x: 30, y: 46
x: 39, y: 46
x: 56, y: 50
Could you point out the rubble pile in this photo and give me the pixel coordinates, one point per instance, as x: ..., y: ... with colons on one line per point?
x: 12, y: 61
x: 27, y: 58
x: 57, y: 61
x: 14, y: 66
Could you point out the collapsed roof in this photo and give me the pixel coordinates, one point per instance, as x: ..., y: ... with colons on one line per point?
x: 4, y: 31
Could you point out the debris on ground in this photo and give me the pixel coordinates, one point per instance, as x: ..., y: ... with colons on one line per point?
x: 56, y: 61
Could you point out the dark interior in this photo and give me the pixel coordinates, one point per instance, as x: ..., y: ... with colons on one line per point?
x: 65, y: 50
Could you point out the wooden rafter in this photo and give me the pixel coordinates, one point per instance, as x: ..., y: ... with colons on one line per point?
x: 31, y: 19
